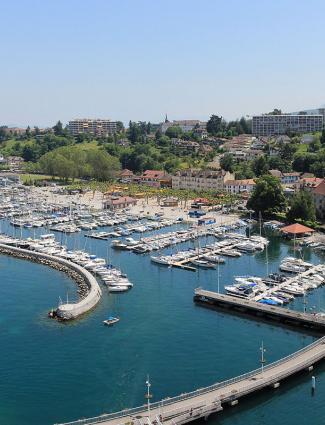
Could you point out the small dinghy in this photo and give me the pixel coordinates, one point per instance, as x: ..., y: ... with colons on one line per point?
x: 111, y: 321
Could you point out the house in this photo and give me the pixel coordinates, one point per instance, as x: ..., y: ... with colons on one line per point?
x: 185, y: 145
x: 319, y: 199
x: 155, y: 178
x: 309, y: 183
x: 126, y: 175
x: 290, y: 178
x: 286, y: 178
x: 196, y: 179
x: 276, y: 173
x: 169, y: 202
x: 239, y: 186
x: 119, y: 202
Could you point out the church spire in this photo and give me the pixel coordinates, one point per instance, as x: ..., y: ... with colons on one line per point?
x: 166, y: 118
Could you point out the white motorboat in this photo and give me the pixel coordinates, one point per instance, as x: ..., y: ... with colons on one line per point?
x: 161, y: 260
x: 118, y: 288
x: 213, y: 258
x: 203, y: 264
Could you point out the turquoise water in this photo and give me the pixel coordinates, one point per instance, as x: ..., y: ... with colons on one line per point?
x: 52, y: 372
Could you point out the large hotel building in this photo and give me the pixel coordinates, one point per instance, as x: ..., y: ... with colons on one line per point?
x: 270, y: 125
x: 97, y: 127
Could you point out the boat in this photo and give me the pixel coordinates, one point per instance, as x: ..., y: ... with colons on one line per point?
x: 213, y: 258
x: 292, y: 268
x: 267, y: 301
x: 161, y: 260
x: 111, y: 321
x: 203, y: 264
x: 118, y: 288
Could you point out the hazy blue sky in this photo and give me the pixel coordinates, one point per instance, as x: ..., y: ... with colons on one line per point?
x: 138, y: 59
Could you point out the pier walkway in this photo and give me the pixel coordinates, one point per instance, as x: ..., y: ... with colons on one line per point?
x: 205, y: 401
x: 281, y: 314
x: 184, y: 264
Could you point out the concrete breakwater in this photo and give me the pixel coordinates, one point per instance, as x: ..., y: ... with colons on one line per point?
x: 88, y: 289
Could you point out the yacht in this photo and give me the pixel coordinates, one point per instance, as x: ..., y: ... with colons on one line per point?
x: 166, y: 261
x: 203, y: 264
x: 213, y: 258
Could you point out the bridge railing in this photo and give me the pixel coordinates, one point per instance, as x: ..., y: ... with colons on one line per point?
x: 198, y: 392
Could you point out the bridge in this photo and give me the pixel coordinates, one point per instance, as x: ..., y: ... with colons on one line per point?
x: 206, y: 401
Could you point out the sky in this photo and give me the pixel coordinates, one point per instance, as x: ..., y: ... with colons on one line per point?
x: 141, y: 59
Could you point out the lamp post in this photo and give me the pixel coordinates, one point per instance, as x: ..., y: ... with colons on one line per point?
x: 263, y: 350
x: 148, y: 395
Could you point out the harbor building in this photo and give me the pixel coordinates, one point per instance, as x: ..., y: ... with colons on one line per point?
x: 201, y: 179
x: 96, y: 127
x: 271, y: 125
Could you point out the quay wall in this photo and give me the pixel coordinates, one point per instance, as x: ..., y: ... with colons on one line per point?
x: 83, y: 278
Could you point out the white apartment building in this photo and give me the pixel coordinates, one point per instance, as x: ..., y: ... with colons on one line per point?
x: 200, y: 179
x: 96, y: 127
x: 270, y: 125
x: 239, y: 186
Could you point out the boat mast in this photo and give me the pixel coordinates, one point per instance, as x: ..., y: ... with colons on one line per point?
x: 218, y: 275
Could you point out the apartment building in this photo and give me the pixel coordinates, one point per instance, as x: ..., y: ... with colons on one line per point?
x: 286, y: 178
x: 96, y: 127
x: 239, y: 186
x: 271, y: 125
x: 193, y: 179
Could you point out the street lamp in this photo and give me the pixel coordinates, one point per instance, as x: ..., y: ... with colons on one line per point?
x: 263, y: 350
x: 148, y: 396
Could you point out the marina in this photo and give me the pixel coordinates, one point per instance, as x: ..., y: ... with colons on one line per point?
x: 158, y: 287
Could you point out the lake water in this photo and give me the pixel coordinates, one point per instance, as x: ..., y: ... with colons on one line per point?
x: 53, y: 372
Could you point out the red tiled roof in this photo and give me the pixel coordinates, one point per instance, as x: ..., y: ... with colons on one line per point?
x: 320, y: 189
x: 296, y: 229
x: 126, y: 172
x: 154, y: 174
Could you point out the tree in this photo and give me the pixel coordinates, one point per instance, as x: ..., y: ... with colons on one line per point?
x: 322, y: 137
x: 287, y: 151
x: 58, y: 128
x: 302, y: 207
x: 28, y: 132
x: 246, y: 125
x: 275, y: 111
x: 260, y: 166
x: 3, y: 132
x: 267, y: 196
x: 227, y: 162
x: 214, y: 125
x: 119, y: 126
x: 174, y: 131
